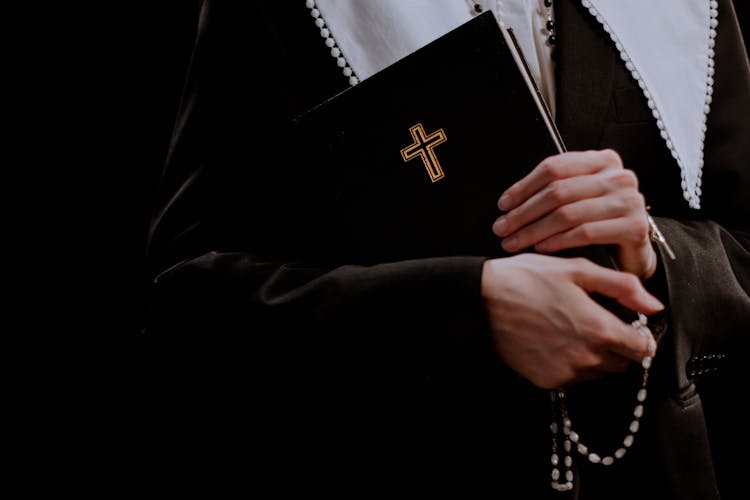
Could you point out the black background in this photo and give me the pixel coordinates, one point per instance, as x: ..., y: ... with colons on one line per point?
x: 153, y: 72
x: 97, y: 88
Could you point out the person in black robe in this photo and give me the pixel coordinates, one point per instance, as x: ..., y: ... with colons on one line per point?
x: 353, y: 379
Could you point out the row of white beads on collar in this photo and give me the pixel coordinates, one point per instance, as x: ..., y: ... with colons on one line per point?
x: 330, y: 42
x: 336, y: 53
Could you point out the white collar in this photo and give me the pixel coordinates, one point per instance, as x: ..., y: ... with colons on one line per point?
x: 375, y: 34
x: 667, y: 45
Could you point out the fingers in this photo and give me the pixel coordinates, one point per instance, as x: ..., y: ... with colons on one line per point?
x: 577, y: 224
x: 555, y: 168
x: 549, y: 198
x: 633, y: 343
x: 592, y: 233
x: 607, y: 331
x: 607, y: 195
x: 602, y: 361
x: 617, y: 360
x: 638, y: 257
x: 626, y: 288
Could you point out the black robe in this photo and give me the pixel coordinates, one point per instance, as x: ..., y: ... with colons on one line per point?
x: 357, y: 378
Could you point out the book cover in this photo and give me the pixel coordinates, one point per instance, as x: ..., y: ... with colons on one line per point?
x: 414, y: 158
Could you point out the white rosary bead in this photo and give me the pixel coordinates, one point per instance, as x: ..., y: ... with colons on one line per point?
x: 555, y: 474
x: 594, y: 458
x: 641, y: 395
x: 582, y: 449
x: 634, y: 426
x: 638, y: 411
x: 620, y: 452
x: 555, y: 459
x: 628, y: 441
x: 608, y: 460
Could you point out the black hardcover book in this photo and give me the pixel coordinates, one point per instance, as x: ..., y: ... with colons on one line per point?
x: 415, y: 157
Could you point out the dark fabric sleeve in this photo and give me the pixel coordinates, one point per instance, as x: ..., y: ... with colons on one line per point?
x: 232, y: 242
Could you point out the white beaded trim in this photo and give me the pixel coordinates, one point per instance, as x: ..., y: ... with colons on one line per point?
x: 330, y: 42
x: 691, y: 193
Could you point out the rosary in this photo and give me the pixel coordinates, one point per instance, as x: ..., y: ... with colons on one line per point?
x: 563, y: 481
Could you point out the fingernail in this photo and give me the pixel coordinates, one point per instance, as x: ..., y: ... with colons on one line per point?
x: 500, y: 226
x: 510, y: 244
x: 655, y: 303
x: 505, y: 202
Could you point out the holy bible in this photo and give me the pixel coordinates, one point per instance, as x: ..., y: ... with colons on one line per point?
x: 413, y: 159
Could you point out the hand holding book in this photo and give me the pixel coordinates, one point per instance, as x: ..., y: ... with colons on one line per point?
x: 575, y: 200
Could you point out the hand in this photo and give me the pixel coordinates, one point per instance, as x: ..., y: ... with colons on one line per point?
x: 578, y: 199
x: 547, y: 328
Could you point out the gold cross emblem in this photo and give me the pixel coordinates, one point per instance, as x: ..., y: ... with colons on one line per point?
x: 424, y: 148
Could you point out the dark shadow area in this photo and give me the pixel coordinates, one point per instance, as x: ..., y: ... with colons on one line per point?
x: 151, y: 54
x: 142, y: 63
x: 105, y: 86
x: 743, y: 12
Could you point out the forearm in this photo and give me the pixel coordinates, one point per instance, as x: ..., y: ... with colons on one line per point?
x: 424, y: 313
